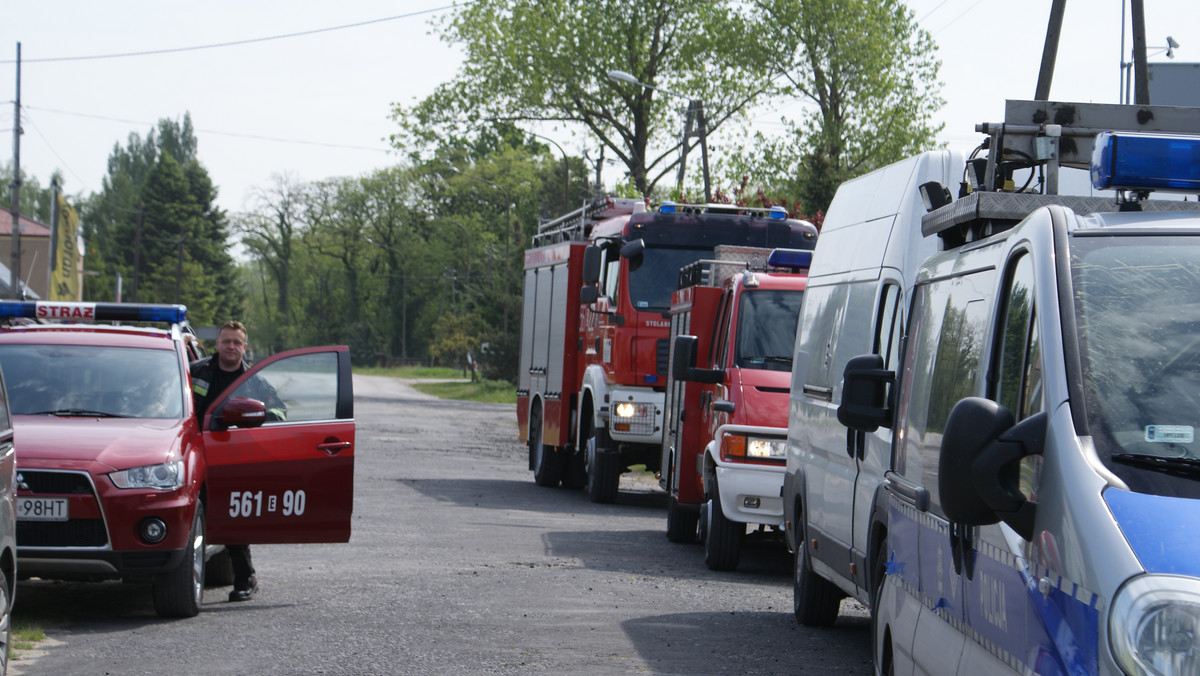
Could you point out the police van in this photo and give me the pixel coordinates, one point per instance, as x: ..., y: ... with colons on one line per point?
x: 1043, y: 500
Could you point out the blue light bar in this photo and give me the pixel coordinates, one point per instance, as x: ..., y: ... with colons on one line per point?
x: 668, y: 208
x: 796, y: 259
x: 86, y: 312
x: 777, y: 213
x: 1132, y: 161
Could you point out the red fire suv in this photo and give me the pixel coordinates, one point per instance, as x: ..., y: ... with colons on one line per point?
x: 117, y: 479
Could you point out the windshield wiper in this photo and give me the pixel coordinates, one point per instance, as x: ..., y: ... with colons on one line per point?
x: 774, y: 360
x: 80, y: 413
x: 1184, y: 467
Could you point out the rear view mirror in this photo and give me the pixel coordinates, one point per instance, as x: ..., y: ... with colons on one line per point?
x: 864, y: 404
x: 683, y: 364
x: 591, y: 264
x: 239, y: 412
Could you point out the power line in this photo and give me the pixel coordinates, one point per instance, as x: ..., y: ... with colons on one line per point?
x: 210, y: 131
x: 235, y: 43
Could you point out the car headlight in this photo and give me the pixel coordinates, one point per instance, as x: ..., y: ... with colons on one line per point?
x: 737, y: 447
x: 165, y: 477
x: 1154, y: 625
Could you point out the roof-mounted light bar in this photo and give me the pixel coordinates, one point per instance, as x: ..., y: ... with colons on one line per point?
x: 67, y: 311
x: 796, y: 259
x: 1146, y: 162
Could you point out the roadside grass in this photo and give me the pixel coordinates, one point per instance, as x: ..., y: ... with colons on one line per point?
x: 24, y: 637
x: 457, y: 387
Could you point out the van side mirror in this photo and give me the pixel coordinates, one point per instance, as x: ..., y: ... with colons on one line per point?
x: 591, y: 264
x: 683, y: 364
x: 864, y: 404
x: 979, y: 467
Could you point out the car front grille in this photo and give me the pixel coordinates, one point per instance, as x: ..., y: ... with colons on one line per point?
x: 89, y: 532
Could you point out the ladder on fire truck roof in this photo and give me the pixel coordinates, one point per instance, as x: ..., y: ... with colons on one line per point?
x: 577, y: 225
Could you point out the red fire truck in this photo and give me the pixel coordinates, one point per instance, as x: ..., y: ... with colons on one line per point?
x: 595, y: 324
x: 733, y: 326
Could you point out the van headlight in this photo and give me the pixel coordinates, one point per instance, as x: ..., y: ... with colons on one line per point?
x: 1154, y: 625
x: 165, y: 477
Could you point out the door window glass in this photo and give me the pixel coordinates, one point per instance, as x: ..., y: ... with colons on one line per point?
x: 296, y: 389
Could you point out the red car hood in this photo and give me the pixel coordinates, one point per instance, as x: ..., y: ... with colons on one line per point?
x: 120, y: 443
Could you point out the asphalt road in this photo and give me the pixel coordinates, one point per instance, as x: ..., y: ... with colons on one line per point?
x: 459, y: 564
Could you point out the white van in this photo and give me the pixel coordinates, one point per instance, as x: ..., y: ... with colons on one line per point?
x: 1043, y: 502
x: 866, y: 260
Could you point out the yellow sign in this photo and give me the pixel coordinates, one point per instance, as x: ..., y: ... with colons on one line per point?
x: 64, y: 279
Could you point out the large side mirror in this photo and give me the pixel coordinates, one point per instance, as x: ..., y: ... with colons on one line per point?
x: 979, y: 467
x: 864, y: 404
x: 589, y: 294
x: 633, y: 249
x: 239, y: 412
x: 591, y: 264
x: 683, y: 364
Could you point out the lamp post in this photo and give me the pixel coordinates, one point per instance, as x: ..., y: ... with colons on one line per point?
x: 695, y: 117
x: 507, y: 236
x: 403, y: 295
x: 1127, y: 66
x: 566, y: 171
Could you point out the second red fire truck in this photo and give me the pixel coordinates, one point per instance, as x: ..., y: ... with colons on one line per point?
x: 595, y: 329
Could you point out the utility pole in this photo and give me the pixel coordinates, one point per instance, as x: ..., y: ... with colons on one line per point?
x: 137, y: 250
x: 15, y: 259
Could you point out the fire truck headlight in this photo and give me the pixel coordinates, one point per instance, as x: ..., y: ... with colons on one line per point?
x: 628, y: 409
x: 1154, y: 625
x: 766, y: 448
x: 165, y: 477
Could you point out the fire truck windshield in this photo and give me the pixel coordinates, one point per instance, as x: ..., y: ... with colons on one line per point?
x: 767, y: 329
x: 654, y: 275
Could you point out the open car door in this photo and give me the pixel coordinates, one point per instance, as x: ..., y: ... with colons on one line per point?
x: 279, y: 443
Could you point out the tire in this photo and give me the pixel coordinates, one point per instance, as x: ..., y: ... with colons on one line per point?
x: 815, y: 600
x: 603, y: 468
x: 882, y: 654
x: 723, y: 546
x: 547, y: 462
x: 5, y: 622
x: 178, y: 593
x: 681, y: 523
x: 218, y: 572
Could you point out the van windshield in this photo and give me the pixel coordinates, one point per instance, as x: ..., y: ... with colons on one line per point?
x: 1137, y: 302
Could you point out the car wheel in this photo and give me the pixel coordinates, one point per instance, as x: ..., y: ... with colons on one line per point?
x: 880, y: 645
x: 547, y: 463
x: 723, y: 546
x: 603, y: 468
x: 218, y: 572
x: 5, y: 622
x: 681, y: 523
x: 815, y: 600
x: 177, y: 593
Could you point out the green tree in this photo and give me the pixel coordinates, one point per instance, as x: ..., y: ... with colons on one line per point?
x: 869, y: 74
x: 546, y: 60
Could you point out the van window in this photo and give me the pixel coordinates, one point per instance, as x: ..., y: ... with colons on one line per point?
x: 888, y: 326
x: 1020, y: 374
x: 947, y: 337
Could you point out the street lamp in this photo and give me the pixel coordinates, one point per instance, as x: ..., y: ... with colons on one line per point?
x: 403, y: 295
x: 566, y: 171
x: 695, y: 116
x: 1127, y: 66
x: 507, y: 235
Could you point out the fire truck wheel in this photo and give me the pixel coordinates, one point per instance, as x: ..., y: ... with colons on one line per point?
x: 681, y: 523
x: 815, y: 600
x: 177, y: 593
x: 603, y: 469
x: 547, y: 462
x: 723, y: 546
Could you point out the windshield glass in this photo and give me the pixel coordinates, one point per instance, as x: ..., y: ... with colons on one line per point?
x: 654, y: 275
x: 92, y: 380
x: 1137, y: 302
x: 766, y: 330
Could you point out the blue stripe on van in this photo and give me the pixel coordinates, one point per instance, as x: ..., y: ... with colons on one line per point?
x: 1160, y: 530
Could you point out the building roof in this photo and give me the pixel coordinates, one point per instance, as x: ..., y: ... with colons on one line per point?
x: 29, y: 227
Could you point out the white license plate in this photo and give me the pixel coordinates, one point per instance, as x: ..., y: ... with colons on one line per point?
x: 41, y: 509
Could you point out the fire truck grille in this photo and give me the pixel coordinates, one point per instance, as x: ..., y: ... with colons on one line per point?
x: 73, y: 533
x: 663, y: 352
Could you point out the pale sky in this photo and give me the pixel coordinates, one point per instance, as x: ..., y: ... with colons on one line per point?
x: 317, y: 105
